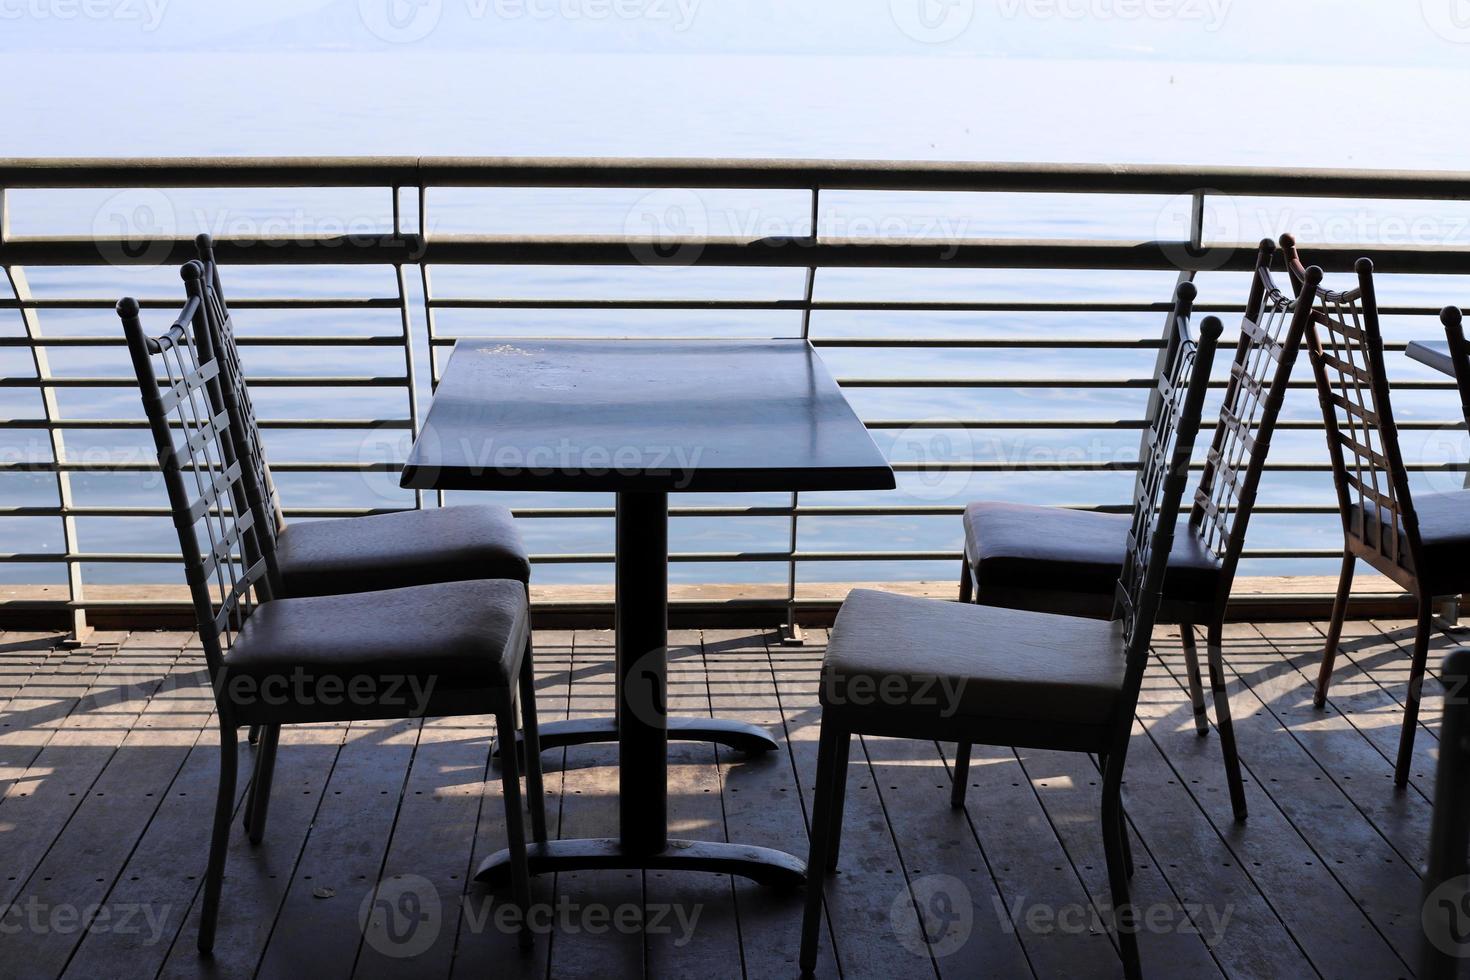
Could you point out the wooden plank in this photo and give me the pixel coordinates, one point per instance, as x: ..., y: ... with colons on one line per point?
x: 164, y: 872
x: 871, y: 886
x: 256, y: 877
x: 317, y: 930
x: 482, y: 947
x: 21, y: 653
x: 586, y: 945
x: 1336, y: 742
x: 84, y: 863
x: 692, y: 928
x: 1178, y: 912
x: 944, y: 864
x: 1275, y: 723
x: 1313, y: 905
x: 763, y: 800
x: 69, y: 749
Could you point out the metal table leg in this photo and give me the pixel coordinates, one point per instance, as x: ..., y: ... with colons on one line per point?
x: 643, y: 731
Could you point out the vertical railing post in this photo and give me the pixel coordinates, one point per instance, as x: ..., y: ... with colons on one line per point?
x: 30, y: 318
x: 791, y: 634
x: 406, y: 323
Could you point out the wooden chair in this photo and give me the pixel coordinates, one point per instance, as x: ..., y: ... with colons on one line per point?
x: 928, y: 669
x: 1418, y: 541
x: 1446, y: 897
x: 359, y: 554
x: 1051, y: 559
x: 461, y: 646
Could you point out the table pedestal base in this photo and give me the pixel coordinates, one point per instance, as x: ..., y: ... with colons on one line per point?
x: 583, y: 731
x: 763, y: 865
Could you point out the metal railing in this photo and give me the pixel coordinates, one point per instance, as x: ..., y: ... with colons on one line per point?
x: 413, y: 250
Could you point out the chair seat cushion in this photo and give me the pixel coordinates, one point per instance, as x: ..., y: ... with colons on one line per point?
x: 1057, y: 551
x: 411, y: 547
x: 953, y: 659
x: 452, y: 635
x: 1444, y: 533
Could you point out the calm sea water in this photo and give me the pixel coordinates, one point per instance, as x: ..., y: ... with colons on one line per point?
x: 596, y: 105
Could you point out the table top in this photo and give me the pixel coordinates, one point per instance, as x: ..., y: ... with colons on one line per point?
x: 1435, y: 353
x: 654, y: 415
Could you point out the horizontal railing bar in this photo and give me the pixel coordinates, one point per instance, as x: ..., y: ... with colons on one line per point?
x: 306, y: 381
x: 175, y: 423
x: 1152, y: 179
x: 1111, y: 383
x: 1306, y: 425
x: 946, y: 466
x: 733, y: 251
x: 712, y: 557
x: 542, y: 513
x: 279, y: 340
x: 236, y: 303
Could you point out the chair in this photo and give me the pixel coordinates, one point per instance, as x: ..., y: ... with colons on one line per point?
x: 1057, y: 560
x: 1446, y: 898
x: 359, y: 554
x: 1417, y: 541
x: 927, y: 669
x: 458, y: 648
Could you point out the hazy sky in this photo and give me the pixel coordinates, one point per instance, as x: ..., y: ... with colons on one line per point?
x: 1408, y: 33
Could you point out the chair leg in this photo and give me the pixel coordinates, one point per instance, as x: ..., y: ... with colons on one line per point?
x: 254, y: 735
x: 1196, y: 686
x: 257, y: 804
x: 515, y: 821
x: 829, y: 783
x: 1334, y: 630
x: 1215, y: 651
x: 1411, y: 697
x: 532, y: 734
x: 839, y: 797
x: 961, y: 775
x: 214, y: 873
x: 1102, y: 765
x: 967, y: 584
x: 1118, y: 872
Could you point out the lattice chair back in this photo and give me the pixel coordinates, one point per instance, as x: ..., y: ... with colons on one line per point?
x: 225, y: 556
x: 1270, y: 338
x: 1346, y: 349
x: 1163, y: 472
x: 236, y: 392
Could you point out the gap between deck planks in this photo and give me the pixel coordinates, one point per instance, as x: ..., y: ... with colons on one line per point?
x: 108, y: 760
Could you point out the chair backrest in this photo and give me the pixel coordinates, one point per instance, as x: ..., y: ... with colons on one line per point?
x: 1270, y: 337
x: 1346, y: 348
x: 236, y: 393
x: 1184, y: 295
x: 1163, y: 472
x: 228, y: 564
x: 1454, y: 332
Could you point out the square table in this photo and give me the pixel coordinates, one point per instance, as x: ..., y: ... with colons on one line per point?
x: 642, y: 418
x: 1434, y: 353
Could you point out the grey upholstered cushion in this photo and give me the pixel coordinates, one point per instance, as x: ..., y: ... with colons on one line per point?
x: 1444, y: 532
x: 466, y: 634
x: 956, y: 659
x: 412, y: 547
x: 1058, y: 550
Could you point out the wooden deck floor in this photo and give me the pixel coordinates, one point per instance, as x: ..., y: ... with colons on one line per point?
x: 108, y: 762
